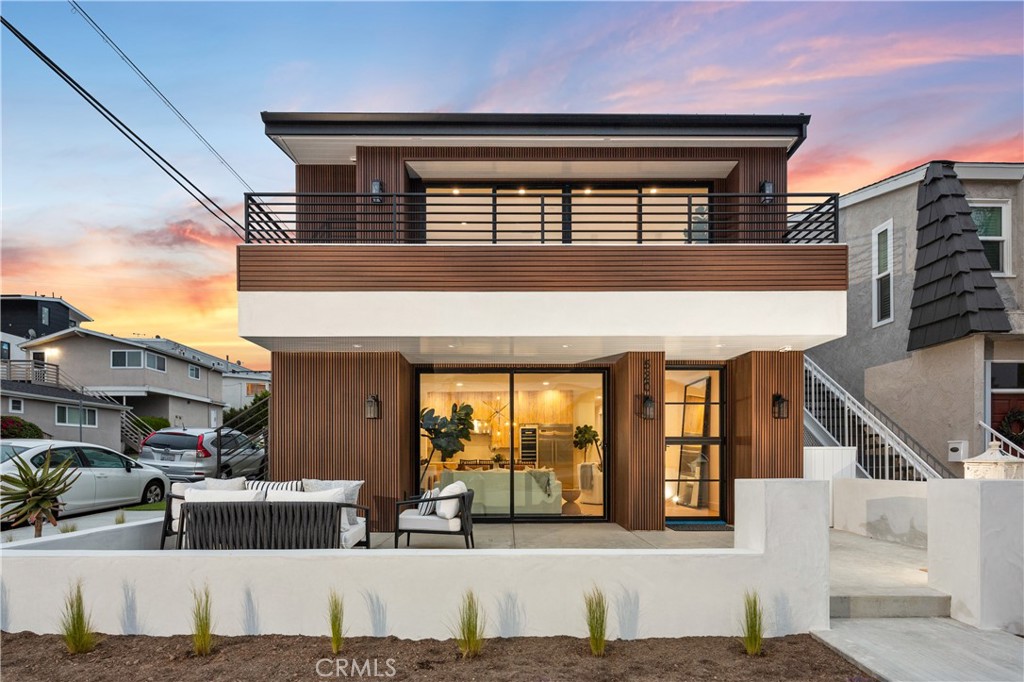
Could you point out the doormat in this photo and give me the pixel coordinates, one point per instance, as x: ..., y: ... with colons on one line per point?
x: 698, y: 525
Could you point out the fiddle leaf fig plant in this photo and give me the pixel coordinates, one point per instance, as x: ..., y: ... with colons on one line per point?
x: 586, y: 437
x: 33, y: 495
x: 446, y: 434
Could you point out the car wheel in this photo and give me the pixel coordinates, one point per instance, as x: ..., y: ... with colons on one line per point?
x: 225, y: 472
x: 154, y: 492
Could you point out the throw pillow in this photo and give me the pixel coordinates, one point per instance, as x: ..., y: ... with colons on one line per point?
x: 273, y: 485
x: 448, y: 509
x: 179, y: 489
x: 351, y: 489
x: 199, y: 495
x: 225, y: 483
x: 330, y: 495
x: 426, y: 507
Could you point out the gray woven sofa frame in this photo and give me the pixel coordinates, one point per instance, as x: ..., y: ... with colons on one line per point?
x: 263, y: 525
x: 465, y: 518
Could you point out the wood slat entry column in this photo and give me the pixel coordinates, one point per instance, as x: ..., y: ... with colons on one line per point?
x: 318, y: 427
x: 638, y: 464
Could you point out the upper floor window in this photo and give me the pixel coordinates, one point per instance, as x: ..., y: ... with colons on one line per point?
x: 68, y: 415
x: 156, y: 362
x: 5, y: 350
x: 881, y: 274
x: 45, y: 315
x: 993, y: 220
x: 193, y: 372
x: 253, y: 389
x: 125, y: 359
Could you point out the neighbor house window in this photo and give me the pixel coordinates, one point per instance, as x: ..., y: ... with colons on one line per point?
x: 253, y: 389
x: 993, y: 221
x: 881, y: 267
x: 16, y: 406
x: 156, y: 362
x: 193, y: 372
x: 45, y: 312
x: 68, y: 415
x: 121, y: 359
x: 5, y: 350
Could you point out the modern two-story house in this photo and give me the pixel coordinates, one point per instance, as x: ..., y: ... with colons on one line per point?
x: 935, y: 328
x: 648, y: 276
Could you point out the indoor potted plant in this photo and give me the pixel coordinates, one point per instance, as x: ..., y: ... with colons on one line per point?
x: 586, y: 437
x: 446, y: 434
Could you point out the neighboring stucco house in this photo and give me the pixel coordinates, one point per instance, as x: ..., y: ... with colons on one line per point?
x: 646, y: 276
x: 62, y: 413
x: 24, y: 317
x: 152, y: 380
x: 935, y: 330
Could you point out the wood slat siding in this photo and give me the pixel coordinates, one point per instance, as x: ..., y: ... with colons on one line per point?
x: 760, y: 446
x: 325, y: 178
x: 638, y: 458
x: 368, y: 267
x: 318, y: 427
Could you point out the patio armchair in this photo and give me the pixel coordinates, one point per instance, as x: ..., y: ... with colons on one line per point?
x: 411, y: 521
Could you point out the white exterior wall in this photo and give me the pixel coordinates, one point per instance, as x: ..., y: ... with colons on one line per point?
x: 828, y: 464
x: 781, y: 551
x: 16, y: 352
x: 976, y: 550
x: 894, y: 511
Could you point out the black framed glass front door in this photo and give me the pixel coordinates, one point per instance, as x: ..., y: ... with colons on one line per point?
x: 694, y: 412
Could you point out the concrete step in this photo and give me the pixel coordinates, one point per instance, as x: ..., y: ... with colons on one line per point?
x: 920, y: 602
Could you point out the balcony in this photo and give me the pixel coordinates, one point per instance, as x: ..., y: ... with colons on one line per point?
x: 31, y: 371
x: 543, y: 217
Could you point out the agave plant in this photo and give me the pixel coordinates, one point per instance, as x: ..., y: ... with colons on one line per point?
x: 33, y: 495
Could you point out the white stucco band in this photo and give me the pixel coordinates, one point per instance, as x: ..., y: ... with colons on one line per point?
x: 584, y: 324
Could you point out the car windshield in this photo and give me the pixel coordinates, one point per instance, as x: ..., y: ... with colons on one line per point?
x: 172, y: 441
x: 9, y: 451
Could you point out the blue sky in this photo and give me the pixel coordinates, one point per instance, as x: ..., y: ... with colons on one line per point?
x: 889, y: 85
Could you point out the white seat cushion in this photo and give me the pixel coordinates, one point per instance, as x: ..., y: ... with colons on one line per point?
x: 179, y: 489
x: 351, y: 489
x: 355, y: 534
x: 449, y: 509
x: 198, y: 495
x: 225, y: 483
x: 410, y: 519
x: 330, y: 495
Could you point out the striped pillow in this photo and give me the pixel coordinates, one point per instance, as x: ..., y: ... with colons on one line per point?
x: 274, y: 485
x: 426, y: 507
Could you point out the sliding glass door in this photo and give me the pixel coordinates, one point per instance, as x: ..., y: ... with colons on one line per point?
x: 537, y: 443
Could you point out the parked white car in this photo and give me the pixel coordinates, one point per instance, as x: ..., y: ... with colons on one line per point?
x: 107, y: 479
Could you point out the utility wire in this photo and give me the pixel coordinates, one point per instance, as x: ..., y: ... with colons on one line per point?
x: 166, y: 166
x: 110, y: 41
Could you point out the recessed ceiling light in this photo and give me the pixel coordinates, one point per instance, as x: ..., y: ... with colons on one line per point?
x: 463, y: 222
x: 451, y: 345
x: 654, y: 190
x: 565, y: 345
x: 587, y: 191
x: 718, y: 345
x: 351, y: 158
x: 785, y: 349
x: 522, y: 191
x: 455, y: 191
x: 357, y: 345
x: 458, y: 383
x: 547, y: 383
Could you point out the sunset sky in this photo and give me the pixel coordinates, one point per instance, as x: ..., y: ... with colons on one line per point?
x: 86, y: 216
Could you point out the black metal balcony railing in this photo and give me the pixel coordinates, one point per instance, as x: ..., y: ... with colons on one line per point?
x: 540, y: 218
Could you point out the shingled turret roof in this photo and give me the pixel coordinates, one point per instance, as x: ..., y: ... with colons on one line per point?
x: 954, y: 293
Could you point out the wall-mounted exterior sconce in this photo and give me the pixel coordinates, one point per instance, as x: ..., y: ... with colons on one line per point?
x: 372, y: 407
x: 767, y: 191
x: 648, y: 408
x: 377, y: 190
x: 780, y: 407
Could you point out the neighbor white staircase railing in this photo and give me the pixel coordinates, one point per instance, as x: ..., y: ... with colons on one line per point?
x: 1005, y: 444
x: 880, y: 452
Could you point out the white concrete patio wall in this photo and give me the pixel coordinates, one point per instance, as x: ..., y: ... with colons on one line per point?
x: 126, y: 536
x: 781, y: 550
x: 976, y: 550
x: 827, y: 464
x: 894, y: 511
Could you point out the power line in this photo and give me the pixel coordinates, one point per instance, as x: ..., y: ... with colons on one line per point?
x: 166, y: 166
x: 110, y: 41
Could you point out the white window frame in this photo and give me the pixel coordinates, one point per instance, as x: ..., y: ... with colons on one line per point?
x: 875, y: 275
x: 85, y: 411
x: 1007, y: 235
x: 11, y: 408
x: 198, y: 372
x: 142, y: 360
x: 156, y: 357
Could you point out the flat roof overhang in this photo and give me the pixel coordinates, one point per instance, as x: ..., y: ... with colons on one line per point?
x: 321, y: 138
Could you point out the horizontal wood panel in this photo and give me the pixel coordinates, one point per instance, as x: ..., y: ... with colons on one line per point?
x: 336, y: 267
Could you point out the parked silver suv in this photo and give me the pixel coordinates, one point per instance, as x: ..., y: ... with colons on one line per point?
x: 191, y: 454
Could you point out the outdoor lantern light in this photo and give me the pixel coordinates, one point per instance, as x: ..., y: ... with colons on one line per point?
x: 377, y: 189
x: 373, y: 407
x: 648, y: 408
x: 780, y: 407
x: 767, y: 191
